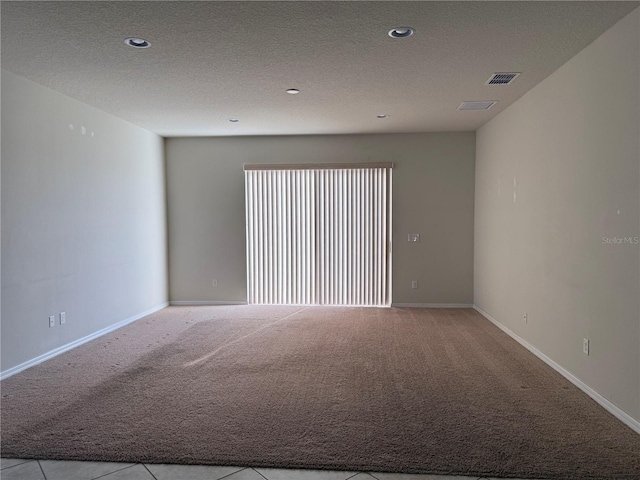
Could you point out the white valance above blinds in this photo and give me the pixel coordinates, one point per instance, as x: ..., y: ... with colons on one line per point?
x: 315, y: 166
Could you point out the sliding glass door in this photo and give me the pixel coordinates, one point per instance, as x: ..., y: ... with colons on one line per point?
x: 318, y: 234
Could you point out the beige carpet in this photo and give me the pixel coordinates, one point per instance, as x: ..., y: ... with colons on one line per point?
x: 404, y: 390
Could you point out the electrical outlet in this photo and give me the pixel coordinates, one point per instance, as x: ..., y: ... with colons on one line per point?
x: 413, y: 237
x: 526, y: 318
x: 585, y: 346
x: 63, y: 318
x: 414, y: 283
x: 214, y: 283
x: 52, y: 321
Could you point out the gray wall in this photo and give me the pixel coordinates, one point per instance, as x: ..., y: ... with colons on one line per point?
x: 572, y: 146
x: 433, y: 186
x: 83, y: 220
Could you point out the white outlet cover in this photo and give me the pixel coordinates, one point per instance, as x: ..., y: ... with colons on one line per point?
x: 413, y: 237
x: 52, y: 321
x: 63, y: 318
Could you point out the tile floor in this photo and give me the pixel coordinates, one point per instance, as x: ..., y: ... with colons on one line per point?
x: 15, y: 469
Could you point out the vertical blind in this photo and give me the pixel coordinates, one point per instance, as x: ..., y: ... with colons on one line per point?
x: 318, y: 234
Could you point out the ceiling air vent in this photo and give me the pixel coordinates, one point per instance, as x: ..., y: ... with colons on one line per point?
x: 502, y: 78
x: 477, y: 105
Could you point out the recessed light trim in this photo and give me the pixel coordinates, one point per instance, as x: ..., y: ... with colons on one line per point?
x: 137, y: 42
x: 293, y: 91
x: 234, y: 120
x: 401, y: 32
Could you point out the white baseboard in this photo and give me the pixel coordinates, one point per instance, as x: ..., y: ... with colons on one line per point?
x: 57, y: 351
x: 433, y: 305
x: 610, y: 407
x: 206, y: 302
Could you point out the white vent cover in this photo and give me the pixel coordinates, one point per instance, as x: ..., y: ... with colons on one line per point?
x: 477, y: 105
x: 502, y: 78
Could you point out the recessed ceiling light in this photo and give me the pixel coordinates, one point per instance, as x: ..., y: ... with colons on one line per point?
x: 234, y: 120
x: 401, y: 32
x: 293, y: 91
x: 137, y: 42
x: 382, y: 116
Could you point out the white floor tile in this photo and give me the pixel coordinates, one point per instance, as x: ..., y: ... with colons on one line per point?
x: 414, y: 476
x: 246, y: 474
x: 137, y: 472
x: 24, y: 471
x: 190, y: 472
x: 10, y: 462
x: 287, y: 474
x: 21, y: 469
x: 71, y: 470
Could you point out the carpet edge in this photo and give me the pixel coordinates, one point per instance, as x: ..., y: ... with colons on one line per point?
x: 76, y: 343
x: 617, y: 412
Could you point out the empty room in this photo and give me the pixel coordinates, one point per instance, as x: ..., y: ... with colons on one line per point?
x: 300, y: 240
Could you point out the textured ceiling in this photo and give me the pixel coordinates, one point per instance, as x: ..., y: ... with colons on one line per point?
x: 211, y: 61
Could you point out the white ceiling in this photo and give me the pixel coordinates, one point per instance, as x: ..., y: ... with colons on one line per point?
x: 211, y: 61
